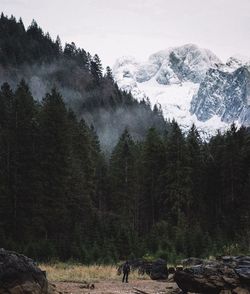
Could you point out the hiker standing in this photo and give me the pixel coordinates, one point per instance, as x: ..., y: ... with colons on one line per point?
x: 126, y: 271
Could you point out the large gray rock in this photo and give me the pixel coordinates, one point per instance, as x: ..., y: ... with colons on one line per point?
x: 20, y: 275
x: 231, y: 274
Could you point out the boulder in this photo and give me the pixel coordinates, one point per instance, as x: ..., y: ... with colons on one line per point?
x: 179, y: 268
x: 224, y: 275
x: 171, y: 270
x: 20, y: 275
x: 159, y: 270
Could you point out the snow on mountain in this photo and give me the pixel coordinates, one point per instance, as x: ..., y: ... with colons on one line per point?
x: 192, y: 85
x: 237, y: 60
x: 186, y: 63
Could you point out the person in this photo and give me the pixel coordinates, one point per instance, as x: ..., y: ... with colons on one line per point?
x: 126, y: 271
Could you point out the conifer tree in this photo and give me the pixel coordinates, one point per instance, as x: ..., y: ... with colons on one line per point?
x: 70, y: 50
x: 55, y: 167
x: 59, y: 45
x: 96, y: 69
x: 123, y: 179
x: 194, y: 175
x: 24, y: 160
x: 153, y: 154
x: 6, y: 159
x: 176, y: 189
x: 81, y: 180
x: 109, y: 74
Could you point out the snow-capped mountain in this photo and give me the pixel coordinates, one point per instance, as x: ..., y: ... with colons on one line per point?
x: 192, y: 85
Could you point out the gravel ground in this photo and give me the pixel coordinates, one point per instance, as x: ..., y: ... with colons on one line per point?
x: 114, y: 287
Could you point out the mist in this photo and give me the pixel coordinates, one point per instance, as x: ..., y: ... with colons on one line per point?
x: 109, y: 121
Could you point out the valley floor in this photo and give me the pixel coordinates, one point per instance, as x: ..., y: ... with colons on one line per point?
x: 74, y: 279
x: 115, y: 286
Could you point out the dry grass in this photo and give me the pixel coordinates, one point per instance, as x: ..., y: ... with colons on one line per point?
x: 63, y: 272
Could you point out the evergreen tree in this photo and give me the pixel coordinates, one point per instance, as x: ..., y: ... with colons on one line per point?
x: 81, y: 181
x: 194, y: 175
x: 176, y: 190
x: 96, y: 69
x: 55, y: 169
x: 59, y: 45
x: 124, y: 194
x: 70, y: 50
x: 24, y: 161
x: 233, y: 176
x: 109, y: 74
x: 6, y: 158
x: 122, y: 177
x: 152, y: 168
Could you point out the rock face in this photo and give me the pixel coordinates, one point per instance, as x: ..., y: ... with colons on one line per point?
x: 225, y: 94
x: 20, y: 275
x: 231, y: 274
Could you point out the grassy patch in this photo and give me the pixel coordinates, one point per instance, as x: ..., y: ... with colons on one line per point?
x: 63, y: 272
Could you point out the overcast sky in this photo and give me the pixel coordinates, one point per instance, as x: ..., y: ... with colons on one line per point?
x: 113, y: 28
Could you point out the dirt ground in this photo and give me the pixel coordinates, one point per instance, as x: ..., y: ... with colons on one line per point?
x: 113, y: 287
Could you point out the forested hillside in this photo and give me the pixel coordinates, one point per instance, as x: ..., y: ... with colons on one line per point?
x: 62, y: 196
x: 169, y: 195
x: 89, y: 90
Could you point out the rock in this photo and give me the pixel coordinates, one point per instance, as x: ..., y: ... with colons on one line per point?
x: 170, y: 278
x: 159, y: 270
x: 223, y: 93
x: 192, y: 261
x: 20, y: 275
x: 87, y: 286
x: 172, y: 288
x: 239, y: 290
x: 171, y: 270
x: 225, y: 275
x: 53, y: 290
x: 179, y: 268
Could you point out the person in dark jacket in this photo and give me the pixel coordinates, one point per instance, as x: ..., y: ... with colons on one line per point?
x: 126, y: 271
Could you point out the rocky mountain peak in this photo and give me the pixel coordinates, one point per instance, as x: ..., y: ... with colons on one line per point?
x: 192, y: 84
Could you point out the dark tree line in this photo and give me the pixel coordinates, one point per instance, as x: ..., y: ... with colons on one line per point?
x: 170, y: 195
